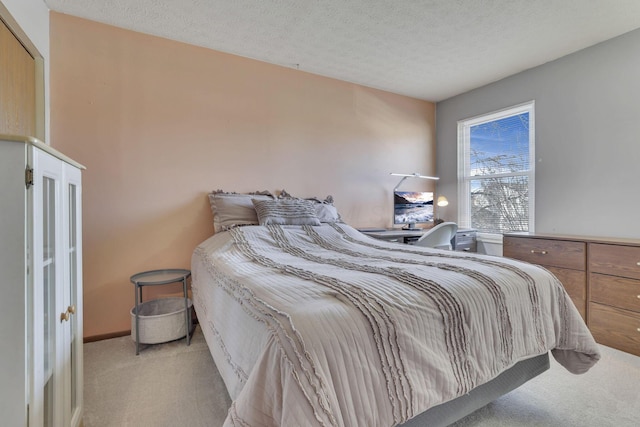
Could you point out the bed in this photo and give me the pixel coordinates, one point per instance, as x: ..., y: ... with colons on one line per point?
x: 316, y: 324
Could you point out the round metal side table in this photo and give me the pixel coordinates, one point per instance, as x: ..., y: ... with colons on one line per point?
x: 161, y: 277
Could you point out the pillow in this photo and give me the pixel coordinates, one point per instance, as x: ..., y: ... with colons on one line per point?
x: 233, y: 209
x: 286, y: 212
x: 325, y: 211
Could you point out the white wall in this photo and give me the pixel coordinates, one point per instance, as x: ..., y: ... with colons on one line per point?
x: 587, y: 138
x: 33, y: 18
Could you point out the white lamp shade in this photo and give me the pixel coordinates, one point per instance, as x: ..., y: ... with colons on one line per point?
x: 442, y: 201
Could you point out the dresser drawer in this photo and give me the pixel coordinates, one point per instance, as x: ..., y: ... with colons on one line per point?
x: 615, y: 328
x: 575, y: 283
x: 548, y: 252
x: 615, y: 291
x: 466, y: 247
x: 615, y: 260
x: 465, y: 241
x: 465, y: 237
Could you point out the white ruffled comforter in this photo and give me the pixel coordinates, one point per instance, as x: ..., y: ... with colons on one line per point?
x: 325, y: 326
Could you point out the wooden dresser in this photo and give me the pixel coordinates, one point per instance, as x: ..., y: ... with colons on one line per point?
x: 602, y: 276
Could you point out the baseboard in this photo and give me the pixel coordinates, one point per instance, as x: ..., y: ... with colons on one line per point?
x: 107, y: 336
x: 119, y: 334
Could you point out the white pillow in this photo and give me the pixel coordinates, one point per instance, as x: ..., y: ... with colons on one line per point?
x: 327, y: 213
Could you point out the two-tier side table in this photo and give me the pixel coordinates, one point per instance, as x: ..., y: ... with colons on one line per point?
x: 155, y: 278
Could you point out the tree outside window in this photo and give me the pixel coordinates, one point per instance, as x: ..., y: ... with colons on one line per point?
x: 496, y: 176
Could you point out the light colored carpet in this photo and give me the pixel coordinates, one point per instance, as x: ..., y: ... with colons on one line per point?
x: 175, y: 385
x: 608, y: 395
x: 167, y: 384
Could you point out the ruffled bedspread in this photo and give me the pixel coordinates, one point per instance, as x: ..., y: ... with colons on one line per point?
x: 323, y: 326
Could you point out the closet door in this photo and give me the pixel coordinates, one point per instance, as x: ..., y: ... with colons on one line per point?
x: 47, y: 387
x: 56, y: 386
x: 72, y: 297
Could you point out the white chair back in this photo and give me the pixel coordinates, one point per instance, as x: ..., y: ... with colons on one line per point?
x: 439, y: 236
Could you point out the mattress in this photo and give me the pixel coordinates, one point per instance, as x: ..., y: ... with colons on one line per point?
x: 325, y: 326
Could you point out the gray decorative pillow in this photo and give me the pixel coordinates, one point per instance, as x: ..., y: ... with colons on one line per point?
x: 325, y: 211
x: 233, y: 209
x: 286, y: 212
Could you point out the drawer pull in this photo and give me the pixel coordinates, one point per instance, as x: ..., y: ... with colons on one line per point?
x: 533, y: 251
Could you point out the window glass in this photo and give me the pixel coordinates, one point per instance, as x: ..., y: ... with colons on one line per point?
x: 500, y: 145
x: 495, y: 171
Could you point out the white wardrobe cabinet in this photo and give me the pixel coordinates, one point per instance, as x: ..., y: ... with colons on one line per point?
x: 41, y: 300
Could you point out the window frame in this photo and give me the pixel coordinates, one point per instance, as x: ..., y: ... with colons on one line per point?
x: 464, y: 162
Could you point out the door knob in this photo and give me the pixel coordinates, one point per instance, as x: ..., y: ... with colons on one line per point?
x: 64, y: 317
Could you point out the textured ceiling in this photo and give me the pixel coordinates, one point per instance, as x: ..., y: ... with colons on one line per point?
x: 427, y: 49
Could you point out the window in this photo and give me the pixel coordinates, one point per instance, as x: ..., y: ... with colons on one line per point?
x: 496, y: 170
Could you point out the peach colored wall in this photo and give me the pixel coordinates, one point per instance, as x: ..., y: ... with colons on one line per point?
x: 160, y: 123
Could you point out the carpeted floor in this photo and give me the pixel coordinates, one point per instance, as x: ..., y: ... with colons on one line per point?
x: 175, y: 385
x: 165, y: 385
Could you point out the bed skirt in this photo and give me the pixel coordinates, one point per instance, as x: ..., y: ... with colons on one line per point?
x: 456, y: 409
